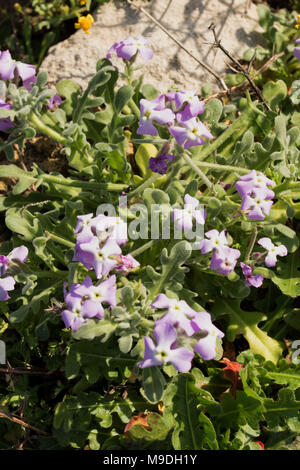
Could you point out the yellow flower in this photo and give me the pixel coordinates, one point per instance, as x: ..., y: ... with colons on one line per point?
x: 85, y: 23
x: 297, y: 26
x: 83, y: 2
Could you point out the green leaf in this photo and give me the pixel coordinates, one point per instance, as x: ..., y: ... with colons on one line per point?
x: 142, y: 157
x: 193, y: 429
x: 285, y: 408
x: 95, y: 329
x: 122, y: 97
x: 287, y: 277
x: 26, y: 178
x: 153, y: 384
x: 245, y: 323
x: 275, y: 92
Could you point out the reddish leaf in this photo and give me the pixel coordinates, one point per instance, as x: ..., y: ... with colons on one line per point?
x: 231, y: 373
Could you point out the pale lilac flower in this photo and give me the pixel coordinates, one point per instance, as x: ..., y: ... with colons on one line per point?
x: 17, y: 254
x: 250, y: 279
x: 127, y: 264
x: 93, y: 296
x: 129, y: 47
x: 6, y: 284
x: 193, y: 105
x: 113, y: 228
x: 190, y: 133
x: 184, y: 217
x: 54, y: 100
x: 165, y: 351
x: 206, y: 346
x: 5, y: 123
x: 297, y: 50
x: 102, y: 255
x: 273, y: 251
x: 73, y: 316
x: 214, y: 241
x: 251, y: 181
x: 224, y: 261
x: 160, y: 164
x: 151, y: 112
x: 85, y: 301
x: 179, y: 313
x: 10, y: 67
x: 257, y: 205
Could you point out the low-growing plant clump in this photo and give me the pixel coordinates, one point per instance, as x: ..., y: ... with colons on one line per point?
x: 148, y: 294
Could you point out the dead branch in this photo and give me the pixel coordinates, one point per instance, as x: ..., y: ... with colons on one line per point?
x: 218, y: 44
x: 235, y: 88
x: 21, y: 422
x: 206, y: 67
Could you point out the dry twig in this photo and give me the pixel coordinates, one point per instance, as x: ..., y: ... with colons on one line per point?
x: 218, y: 44
x: 21, y: 422
x: 206, y: 67
x: 235, y: 88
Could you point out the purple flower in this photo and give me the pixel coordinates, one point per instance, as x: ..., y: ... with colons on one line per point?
x: 252, y: 181
x: 165, y: 351
x: 73, y: 315
x: 17, y: 254
x: 160, y: 164
x: 206, y: 346
x: 273, y: 251
x: 224, y: 261
x: 85, y: 301
x: 250, y: 279
x: 257, y: 205
x: 5, y: 123
x: 154, y: 111
x: 54, y: 100
x: 127, y: 263
x: 193, y: 105
x: 190, y: 133
x: 297, y: 50
x: 102, y: 255
x: 184, y: 217
x: 10, y: 67
x: 6, y: 284
x: 215, y: 241
x: 129, y: 47
x: 113, y: 228
x: 179, y: 313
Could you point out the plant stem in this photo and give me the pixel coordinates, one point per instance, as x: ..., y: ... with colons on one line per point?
x: 251, y: 244
x: 114, y: 187
x: 143, y: 248
x: 144, y: 185
x: 198, y: 171
x: 217, y: 166
x: 44, y: 129
x: 134, y: 108
x: 226, y: 134
x: 60, y: 240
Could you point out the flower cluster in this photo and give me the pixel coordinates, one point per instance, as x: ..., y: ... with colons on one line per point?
x: 98, y: 241
x: 128, y: 48
x: 224, y: 258
x: 178, y: 111
x: 85, y: 301
x: 180, y: 323
x: 255, y: 194
x: 296, y: 51
x: 7, y: 266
